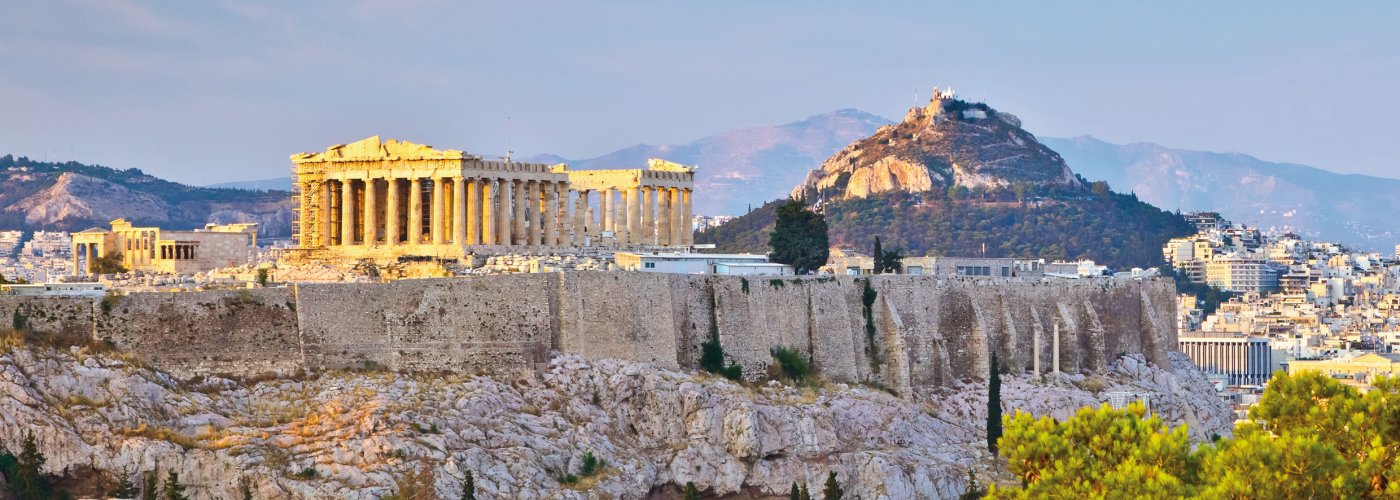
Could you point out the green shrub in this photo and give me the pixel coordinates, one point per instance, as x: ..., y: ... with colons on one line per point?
x: 793, y: 365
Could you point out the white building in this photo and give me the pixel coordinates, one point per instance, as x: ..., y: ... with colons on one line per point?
x: 700, y: 263
x: 95, y: 290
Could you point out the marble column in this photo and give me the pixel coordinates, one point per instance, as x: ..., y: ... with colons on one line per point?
x: 504, y: 212
x: 648, y: 216
x: 474, y: 215
x: 676, y: 226
x: 687, y: 219
x: 459, y: 211
x: 580, y: 214
x: 415, y: 211
x: 607, y: 206
x: 591, y: 214
x: 634, y: 216
x: 371, y: 214
x: 532, y: 211
x: 391, y: 211
x: 347, y: 212
x: 488, y: 211
x: 437, y: 215
x: 663, y: 217
x: 323, y: 217
x: 621, y: 230
x: 517, y: 215
x: 551, y: 213
x: 561, y: 213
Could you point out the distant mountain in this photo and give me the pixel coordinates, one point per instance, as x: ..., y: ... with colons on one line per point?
x: 1357, y: 210
x: 72, y: 196
x: 962, y: 179
x: 747, y: 166
x: 273, y: 184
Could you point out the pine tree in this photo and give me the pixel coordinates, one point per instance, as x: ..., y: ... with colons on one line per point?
x: 173, y: 489
x: 832, y: 489
x: 29, y: 476
x: 124, y: 487
x: 469, y: 487
x: 993, y: 406
x: 806, y: 495
x: 690, y: 492
x: 799, y: 238
x: 148, y: 487
x: 796, y: 493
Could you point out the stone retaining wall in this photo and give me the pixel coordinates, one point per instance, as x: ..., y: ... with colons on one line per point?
x: 927, y: 331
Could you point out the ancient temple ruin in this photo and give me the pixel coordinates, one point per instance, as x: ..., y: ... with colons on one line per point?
x: 376, y: 199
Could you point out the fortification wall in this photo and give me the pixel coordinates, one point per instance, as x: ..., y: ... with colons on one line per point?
x: 916, y: 331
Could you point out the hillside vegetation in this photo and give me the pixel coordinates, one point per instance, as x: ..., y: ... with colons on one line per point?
x: 1068, y: 223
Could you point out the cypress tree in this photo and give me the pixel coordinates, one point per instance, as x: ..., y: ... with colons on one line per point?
x: 806, y: 495
x: 690, y: 492
x: 878, y: 256
x: 469, y: 487
x: 832, y: 489
x: 796, y: 493
x: 993, y: 406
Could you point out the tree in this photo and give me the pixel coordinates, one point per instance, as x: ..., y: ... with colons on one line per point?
x: 806, y: 495
x: 111, y: 263
x: 832, y: 489
x: 148, y: 486
x: 878, y: 256
x: 974, y: 490
x: 799, y: 238
x: 796, y: 493
x: 993, y: 405
x: 690, y: 492
x: 29, y: 481
x: 469, y: 487
x: 173, y: 489
x: 891, y: 261
x: 124, y: 487
x: 1099, y: 450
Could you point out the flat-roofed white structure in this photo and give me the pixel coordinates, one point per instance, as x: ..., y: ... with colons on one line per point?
x: 96, y: 290
x: 699, y: 263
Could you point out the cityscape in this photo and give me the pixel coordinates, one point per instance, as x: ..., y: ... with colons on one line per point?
x: 253, y: 250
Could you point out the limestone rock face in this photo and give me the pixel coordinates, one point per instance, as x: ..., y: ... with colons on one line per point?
x: 947, y: 143
x: 652, y: 428
x: 77, y: 196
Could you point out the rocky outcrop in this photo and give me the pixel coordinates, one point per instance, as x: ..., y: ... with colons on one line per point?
x: 73, y: 197
x: 350, y: 434
x: 948, y: 143
x: 79, y: 197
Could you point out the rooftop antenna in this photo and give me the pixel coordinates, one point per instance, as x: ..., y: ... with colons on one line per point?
x: 508, y: 133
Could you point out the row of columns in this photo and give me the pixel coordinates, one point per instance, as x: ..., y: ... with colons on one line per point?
x: 457, y: 211
x: 491, y: 211
x: 644, y: 215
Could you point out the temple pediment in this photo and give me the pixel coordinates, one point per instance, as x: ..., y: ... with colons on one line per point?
x: 373, y: 148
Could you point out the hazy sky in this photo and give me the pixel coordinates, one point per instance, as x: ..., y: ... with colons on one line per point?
x: 225, y: 90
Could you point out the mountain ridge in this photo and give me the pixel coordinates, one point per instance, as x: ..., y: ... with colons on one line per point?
x: 72, y: 196
x: 1355, y: 209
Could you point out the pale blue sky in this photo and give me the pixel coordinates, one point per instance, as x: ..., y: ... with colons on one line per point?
x: 225, y: 90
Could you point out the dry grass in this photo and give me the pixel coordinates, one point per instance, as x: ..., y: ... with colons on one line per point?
x: 161, y: 433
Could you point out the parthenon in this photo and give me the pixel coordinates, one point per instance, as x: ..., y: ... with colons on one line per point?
x: 386, y: 199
